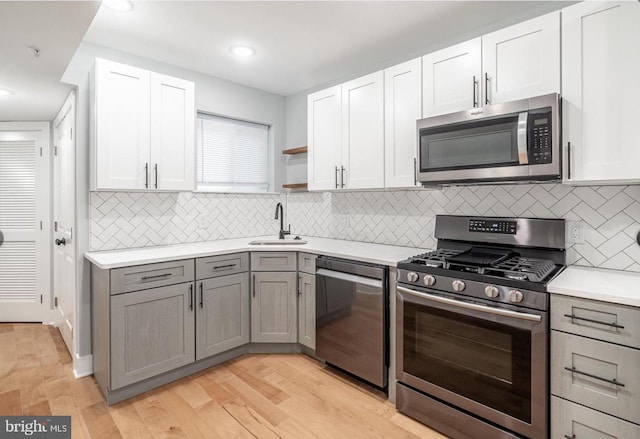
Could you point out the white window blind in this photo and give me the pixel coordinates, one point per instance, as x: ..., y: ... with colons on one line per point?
x: 232, y: 155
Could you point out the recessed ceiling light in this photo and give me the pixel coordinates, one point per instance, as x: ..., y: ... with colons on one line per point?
x: 242, y: 51
x: 5, y: 92
x: 118, y: 5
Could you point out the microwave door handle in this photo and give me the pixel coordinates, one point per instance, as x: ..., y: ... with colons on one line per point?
x: 523, y: 154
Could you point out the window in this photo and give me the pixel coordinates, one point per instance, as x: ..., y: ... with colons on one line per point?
x: 232, y: 155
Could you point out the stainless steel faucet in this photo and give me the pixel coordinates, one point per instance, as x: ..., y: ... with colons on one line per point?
x: 283, y: 232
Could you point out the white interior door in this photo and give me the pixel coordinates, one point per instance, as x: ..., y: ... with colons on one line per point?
x: 24, y: 221
x: 64, y: 250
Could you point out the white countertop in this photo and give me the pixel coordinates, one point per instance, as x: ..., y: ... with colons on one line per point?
x: 362, y: 251
x: 615, y: 286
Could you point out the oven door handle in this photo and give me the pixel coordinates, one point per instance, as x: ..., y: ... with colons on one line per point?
x: 472, y: 306
x: 349, y: 277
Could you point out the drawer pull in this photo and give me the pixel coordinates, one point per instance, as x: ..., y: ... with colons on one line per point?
x: 613, y: 325
x: 158, y: 276
x: 217, y: 267
x: 606, y: 380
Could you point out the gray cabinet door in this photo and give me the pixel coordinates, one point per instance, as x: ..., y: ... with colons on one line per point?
x: 222, y: 321
x: 307, y: 310
x: 273, y: 307
x: 152, y: 331
x: 307, y: 262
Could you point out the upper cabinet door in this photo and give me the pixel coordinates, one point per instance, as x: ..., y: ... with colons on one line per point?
x: 452, y: 79
x: 121, y: 130
x: 601, y: 91
x: 522, y: 60
x: 172, y: 133
x: 363, y: 132
x: 402, y: 108
x: 324, y: 138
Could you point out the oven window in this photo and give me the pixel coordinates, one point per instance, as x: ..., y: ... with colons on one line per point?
x: 478, y: 144
x: 487, y: 362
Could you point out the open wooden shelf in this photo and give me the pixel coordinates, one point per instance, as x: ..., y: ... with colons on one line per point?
x: 295, y: 186
x: 298, y: 150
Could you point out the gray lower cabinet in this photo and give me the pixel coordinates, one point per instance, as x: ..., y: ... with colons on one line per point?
x: 307, y: 310
x: 273, y: 307
x: 570, y: 420
x: 222, y: 314
x: 152, y: 331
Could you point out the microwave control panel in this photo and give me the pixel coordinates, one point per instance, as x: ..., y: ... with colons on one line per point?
x: 540, y: 137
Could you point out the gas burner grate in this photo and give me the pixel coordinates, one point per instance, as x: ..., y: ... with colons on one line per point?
x: 436, y: 258
x: 520, y: 268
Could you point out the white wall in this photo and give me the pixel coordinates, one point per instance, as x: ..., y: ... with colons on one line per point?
x: 213, y: 95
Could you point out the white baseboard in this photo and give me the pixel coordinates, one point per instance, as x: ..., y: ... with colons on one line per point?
x: 82, y: 366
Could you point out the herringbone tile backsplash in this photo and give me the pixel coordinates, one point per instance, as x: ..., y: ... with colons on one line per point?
x: 610, y: 216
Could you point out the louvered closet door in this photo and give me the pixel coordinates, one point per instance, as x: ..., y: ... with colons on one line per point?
x: 24, y: 255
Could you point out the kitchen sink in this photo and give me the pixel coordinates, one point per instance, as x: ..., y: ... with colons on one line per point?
x: 278, y: 242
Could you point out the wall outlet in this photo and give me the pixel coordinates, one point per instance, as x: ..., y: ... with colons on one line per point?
x: 575, y: 232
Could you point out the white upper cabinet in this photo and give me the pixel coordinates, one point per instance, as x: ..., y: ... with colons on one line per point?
x: 402, y: 108
x: 363, y: 132
x: 324, y: 138
x: 143, y: 129
x: 451, y: 78
x: 346, y: 135
x: 172, y: 133
x: 522, y: 60
x: 518, y: 62
x: 601, y: 91
x: 121, y: 125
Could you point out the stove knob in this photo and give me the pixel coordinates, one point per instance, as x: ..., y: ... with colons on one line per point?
x: 458, y: 285
x: 429, y: 280
x: 412, y: 276
x: 491, y: 291
x: 515, y: 296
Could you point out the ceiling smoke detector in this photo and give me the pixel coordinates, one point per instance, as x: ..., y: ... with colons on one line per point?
x: 35, y: 50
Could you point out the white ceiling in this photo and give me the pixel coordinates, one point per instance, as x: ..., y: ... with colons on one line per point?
x: 57, y: 29
x: 300, y: 44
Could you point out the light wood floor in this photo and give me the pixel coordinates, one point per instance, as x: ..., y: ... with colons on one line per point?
x: 255, y: 396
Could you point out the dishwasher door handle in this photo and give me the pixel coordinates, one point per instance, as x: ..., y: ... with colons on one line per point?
x: 376, y: 283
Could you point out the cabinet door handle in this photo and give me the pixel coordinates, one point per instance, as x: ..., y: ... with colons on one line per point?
x: 157, y: 276
x: 217, y: 267
x: 201, y: 296
x: 155, y: 167
x: 415, y: 171
x: 569, y: 160
x: 613, y: 324
x: 146, y: 175
x: 191, y: 297
x: 342, y: 176
x: 596, y: 377
x: 486, y: 89
x: 254, y: 285
x: 475, y: 91
x: 336, y: 175
x: 299, y: 284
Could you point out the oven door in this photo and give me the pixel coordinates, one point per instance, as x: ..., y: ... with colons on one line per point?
x: 485, y: 360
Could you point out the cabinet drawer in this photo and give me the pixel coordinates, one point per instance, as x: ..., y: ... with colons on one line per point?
x: 307, y: 263
x: 604, y: 321
x: 222, y: 265
x: 595, y: 365
x: 576, y: 421
x: 273, y: 261
x: 142, y: 277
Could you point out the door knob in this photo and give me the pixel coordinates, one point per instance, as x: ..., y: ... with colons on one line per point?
x: 61, y: 241
x: 1, y: 237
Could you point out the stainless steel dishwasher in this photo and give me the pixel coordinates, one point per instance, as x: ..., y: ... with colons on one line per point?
x: 352, y: 309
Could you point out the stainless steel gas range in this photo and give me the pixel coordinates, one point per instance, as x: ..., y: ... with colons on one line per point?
x: 473, y: 330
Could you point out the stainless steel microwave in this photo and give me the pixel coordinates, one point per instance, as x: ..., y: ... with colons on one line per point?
x: 510, y: 142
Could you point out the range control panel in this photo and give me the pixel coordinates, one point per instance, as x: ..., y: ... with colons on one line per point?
x: 539, y: 138
x: 488, y: 226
